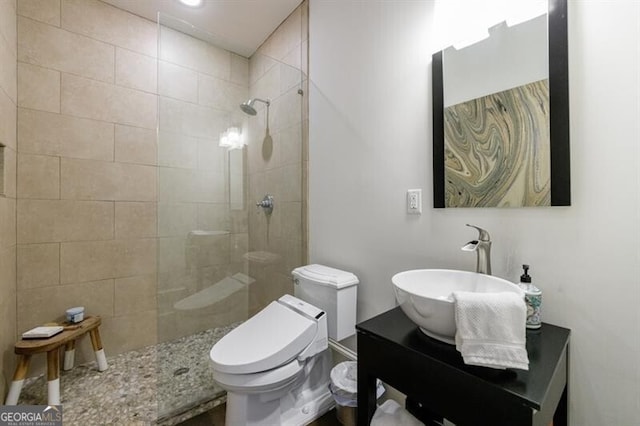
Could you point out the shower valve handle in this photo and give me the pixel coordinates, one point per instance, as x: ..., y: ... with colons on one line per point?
x: 266, y: 203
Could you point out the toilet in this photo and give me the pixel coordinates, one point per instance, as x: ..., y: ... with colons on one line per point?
x: 276, y: 365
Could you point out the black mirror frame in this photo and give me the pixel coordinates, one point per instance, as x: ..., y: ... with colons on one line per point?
x: 558, y: 107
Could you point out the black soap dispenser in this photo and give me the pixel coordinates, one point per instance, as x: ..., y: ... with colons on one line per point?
x: 533, y: 299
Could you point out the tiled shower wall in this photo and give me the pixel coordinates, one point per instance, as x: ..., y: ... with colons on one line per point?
x: 8, y: 101
x: 87, y: 228
x: 277, y: 165
x: 86, y: 168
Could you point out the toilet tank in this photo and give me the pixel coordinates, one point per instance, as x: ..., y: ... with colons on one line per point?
x: 332, y: 290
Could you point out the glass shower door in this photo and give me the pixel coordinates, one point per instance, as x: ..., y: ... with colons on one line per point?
x: 202, y: 278
x: 220, y: 257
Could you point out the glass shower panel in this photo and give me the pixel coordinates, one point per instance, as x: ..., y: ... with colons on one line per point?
x: 275, y: 169
x: 220, y: 258
x: 202, y: 279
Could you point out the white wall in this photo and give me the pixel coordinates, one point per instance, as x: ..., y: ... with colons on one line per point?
x: 370, y: 141
x: 508, y: 58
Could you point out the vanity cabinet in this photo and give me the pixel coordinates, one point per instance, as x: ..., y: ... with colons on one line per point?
x: 439, y: 385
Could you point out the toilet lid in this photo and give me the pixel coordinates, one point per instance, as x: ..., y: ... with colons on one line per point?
x: 272, y: 337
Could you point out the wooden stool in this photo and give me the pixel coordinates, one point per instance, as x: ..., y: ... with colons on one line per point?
x: 25, y: 348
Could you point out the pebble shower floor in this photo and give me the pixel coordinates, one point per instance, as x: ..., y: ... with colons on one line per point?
x: 142, y: 387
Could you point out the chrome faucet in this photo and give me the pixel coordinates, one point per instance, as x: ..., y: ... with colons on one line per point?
x: 482, y: 247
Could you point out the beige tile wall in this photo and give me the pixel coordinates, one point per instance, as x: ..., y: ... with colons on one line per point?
x: 8, y: 107
x: 86, y: 168
x: 278, y: 165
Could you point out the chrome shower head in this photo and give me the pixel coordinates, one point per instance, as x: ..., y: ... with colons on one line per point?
x: 248, y: 107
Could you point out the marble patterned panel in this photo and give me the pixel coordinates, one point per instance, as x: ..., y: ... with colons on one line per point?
x: 497, y: 149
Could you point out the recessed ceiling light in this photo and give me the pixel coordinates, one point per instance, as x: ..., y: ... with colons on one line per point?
x: 191, y: 3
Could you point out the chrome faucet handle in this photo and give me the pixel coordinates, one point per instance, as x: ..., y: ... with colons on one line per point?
x: 483, y: 234
x: 266, y: 203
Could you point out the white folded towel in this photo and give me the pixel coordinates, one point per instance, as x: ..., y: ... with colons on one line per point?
x: 392, y: 414
x: 491, y: 329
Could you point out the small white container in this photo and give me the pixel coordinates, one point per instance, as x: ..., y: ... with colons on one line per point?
x: 75, y: 315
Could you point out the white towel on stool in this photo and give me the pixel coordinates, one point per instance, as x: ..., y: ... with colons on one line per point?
x: 491, y: 329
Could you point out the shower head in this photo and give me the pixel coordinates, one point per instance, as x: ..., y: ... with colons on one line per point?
x: 247, y: 107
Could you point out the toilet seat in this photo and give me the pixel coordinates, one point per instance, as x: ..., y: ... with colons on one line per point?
x: 270, y: 339
x: 269, y: 380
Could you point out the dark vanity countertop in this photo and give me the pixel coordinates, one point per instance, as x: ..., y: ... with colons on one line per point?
x: 530, y: 387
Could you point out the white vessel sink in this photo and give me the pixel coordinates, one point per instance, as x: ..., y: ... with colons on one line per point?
x: 426, y: 296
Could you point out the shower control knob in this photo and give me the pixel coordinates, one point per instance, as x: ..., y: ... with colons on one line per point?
x: 266, y: 203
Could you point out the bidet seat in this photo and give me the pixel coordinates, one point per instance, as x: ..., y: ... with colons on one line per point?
x: 269, y: 380
x: 271, y: 338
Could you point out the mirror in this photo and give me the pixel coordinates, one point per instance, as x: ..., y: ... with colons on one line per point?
x: 501, y: 117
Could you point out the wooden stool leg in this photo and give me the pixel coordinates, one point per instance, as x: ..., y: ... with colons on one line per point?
x: 53, y: 377
x: 97, y: 347
x: 69, y: 355
x: 18, y: 379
